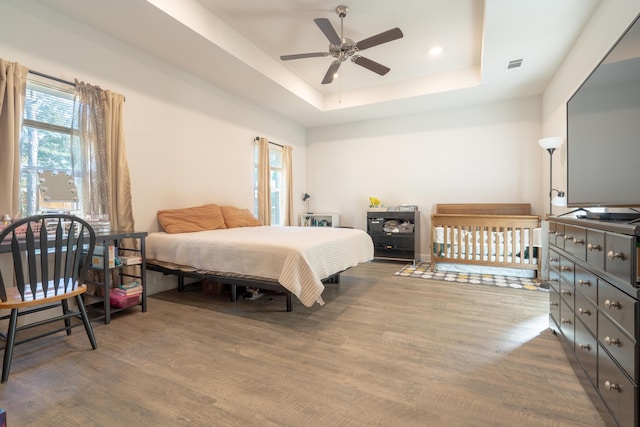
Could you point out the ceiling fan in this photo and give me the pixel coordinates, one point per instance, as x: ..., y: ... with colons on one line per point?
x: 343, y: 48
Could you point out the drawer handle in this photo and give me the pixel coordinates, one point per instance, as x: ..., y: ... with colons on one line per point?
x: 559, y: 234
x: 584, y: 311
x: 615, y: 255
x: 564, y: 292
x: 568, y: 237
x: 593, y: 247
x: 578, y: 242
x: 553, y: 304
x: 584, y: 282
x: 554, y: 260
x: 611, y: 304
x: 611, y: 341
x: 586, y: 347
x: 611, y: 386
x: 565, y: 268
x: 565, y: 321
x: 555, y: 279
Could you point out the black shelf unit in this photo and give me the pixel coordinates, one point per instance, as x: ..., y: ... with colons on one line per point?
x: 403, y: 245
x: 99, y: 306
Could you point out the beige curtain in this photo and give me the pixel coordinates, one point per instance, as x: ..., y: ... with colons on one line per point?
x: 264, y: 182
x: 89, y: 150
x: 13, y: 86
x: 99, y: 148
x: 287, y: 160
x: 119, y: 190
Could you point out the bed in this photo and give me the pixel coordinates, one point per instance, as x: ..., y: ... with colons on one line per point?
x: 501, y: 238
x: 295, y: 260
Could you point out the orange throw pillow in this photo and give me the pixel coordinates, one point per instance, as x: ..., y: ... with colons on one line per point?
x: 236, y: 217
x: 187, y: 220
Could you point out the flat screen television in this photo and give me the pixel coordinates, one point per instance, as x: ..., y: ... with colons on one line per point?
x: 603, y: 131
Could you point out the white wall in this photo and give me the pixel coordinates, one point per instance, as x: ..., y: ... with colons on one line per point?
x: 605, y: 27
x: 188, y: 142
x: 480, y: 154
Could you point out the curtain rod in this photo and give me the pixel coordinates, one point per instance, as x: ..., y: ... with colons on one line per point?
x: 52, y: 78
x: 273, y: 143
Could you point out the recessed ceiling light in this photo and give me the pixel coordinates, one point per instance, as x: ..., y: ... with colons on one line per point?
x: 435, y: 51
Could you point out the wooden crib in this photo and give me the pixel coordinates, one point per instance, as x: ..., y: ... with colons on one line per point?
x: 502, y: 235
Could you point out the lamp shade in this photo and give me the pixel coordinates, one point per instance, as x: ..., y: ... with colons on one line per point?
x: 551, y: 142
x: 559, y: 200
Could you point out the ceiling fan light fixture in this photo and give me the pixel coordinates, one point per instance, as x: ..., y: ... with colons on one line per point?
x: 343, y: 48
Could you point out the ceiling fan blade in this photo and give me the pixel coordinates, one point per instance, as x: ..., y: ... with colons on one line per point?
x: 325, y: 26
x: 333, y: 69
x: 370, y: 65
x: 303, y: 55
x: 387, y: 36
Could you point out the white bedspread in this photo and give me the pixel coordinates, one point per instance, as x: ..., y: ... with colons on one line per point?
x: 297, y: 257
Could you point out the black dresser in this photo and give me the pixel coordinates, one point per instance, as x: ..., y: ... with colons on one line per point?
x: 594, y: 290
x: 395, y: 234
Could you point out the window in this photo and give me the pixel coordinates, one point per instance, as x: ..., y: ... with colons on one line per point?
x: 45, y: 143
x: 276, y: 185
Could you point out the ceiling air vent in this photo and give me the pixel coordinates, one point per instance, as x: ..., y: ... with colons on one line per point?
x: 516, y: 63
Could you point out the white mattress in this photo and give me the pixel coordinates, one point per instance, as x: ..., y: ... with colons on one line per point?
x: 297, y: 257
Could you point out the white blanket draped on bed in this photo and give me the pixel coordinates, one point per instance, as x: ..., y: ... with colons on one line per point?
x: 297, y: 257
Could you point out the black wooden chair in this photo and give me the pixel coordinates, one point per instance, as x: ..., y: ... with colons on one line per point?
x: 51, y: 254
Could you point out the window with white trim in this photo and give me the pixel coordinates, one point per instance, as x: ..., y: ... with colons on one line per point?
x: 278, y: 192
x: 45, y: 143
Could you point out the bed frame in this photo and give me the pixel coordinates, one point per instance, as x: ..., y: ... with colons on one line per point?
x: 480, y: 224
x: 234, y: 281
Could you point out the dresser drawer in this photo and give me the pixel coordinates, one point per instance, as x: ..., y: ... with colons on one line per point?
x: 586, y: 311
x: 567, y: 322
x: 553, y: 226
x: 586, y: 284
x: 554, y: 260
x: 393, y: 241
x: 558, y: 235
x: 574, y: 241
x: 622, y: 348
x: 595, y: 248
x: 554, y: 308
x: 618, y: 392
x: 586, y: 351
x: 567, y: 270
x: 620, y: 256
x: 617, y: 305
x: 567, y: 289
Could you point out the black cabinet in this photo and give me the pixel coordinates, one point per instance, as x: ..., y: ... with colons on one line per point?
x: 395, y: 235
x: 594, y: 293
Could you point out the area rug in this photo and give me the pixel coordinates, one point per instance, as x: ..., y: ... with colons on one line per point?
x: 422, y: 270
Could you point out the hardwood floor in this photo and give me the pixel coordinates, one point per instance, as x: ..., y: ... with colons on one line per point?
x: 384, y: 350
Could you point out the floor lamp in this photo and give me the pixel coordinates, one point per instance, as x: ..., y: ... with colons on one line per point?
x: 551, y: 144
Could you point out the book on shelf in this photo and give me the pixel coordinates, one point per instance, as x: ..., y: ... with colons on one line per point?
x: 130, y: 260
x: 128, y: 292
x: 129, y: 285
